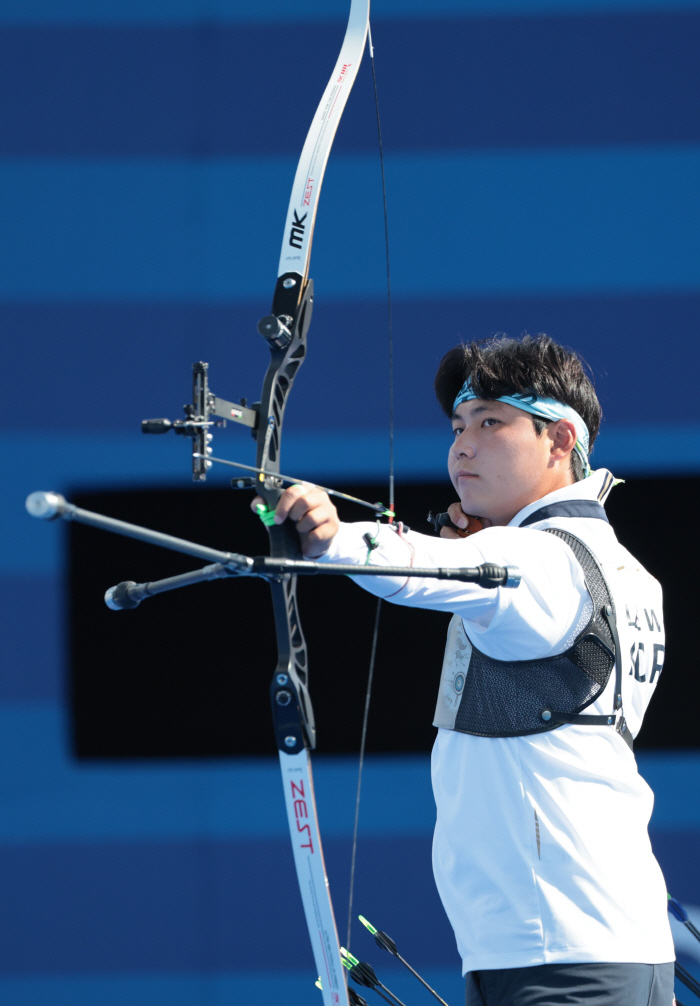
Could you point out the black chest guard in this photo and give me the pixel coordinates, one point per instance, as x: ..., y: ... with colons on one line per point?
x: 514, y: 698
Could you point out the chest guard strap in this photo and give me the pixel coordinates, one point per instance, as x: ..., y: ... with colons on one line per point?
x: 514, y: 698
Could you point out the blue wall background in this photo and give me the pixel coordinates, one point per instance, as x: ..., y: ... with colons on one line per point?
x: 542, y: 171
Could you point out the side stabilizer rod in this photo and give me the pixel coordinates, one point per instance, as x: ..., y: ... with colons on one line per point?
x: 126, y: 595
x: 129, y: 594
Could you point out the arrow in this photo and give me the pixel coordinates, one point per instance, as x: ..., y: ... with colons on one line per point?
x: 678, y: 911
x: 377, y: 507
x: 364, y: 974
x: 353, y: 997
x: 386, y: 943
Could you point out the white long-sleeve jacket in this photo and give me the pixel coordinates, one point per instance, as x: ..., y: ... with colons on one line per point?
x: 541, y: 852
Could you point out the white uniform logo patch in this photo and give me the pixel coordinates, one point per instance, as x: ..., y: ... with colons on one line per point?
x: 455, y: 667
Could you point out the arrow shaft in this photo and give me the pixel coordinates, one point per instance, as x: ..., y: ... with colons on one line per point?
x: 377, y: 507
x: 421, y: 980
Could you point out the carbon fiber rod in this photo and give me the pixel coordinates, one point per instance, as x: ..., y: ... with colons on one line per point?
x: 685, y: 976
x: 487, y: 575
x: 129, y: 594
x: 51, y: 506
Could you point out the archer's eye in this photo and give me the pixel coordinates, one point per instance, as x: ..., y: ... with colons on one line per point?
x: 491, y: 421
x: 457, y: 430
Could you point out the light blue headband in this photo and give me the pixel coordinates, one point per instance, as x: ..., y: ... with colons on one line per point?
x: 546, y: 408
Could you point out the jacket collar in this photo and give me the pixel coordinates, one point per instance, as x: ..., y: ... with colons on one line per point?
x: 582, y: 499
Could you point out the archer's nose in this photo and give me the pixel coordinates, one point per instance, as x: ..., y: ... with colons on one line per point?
x: 462, y: 448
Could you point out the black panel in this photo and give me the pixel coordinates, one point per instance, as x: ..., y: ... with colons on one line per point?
x: 187, y: 673
x: 654, y: 519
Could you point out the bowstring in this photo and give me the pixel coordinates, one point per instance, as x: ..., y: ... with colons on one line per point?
x: 390, y: 327
x: 375, y: 634
x: 365, y: 719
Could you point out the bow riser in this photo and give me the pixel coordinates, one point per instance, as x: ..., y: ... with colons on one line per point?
x: 288, y: 325
x: 292, y: 712
x: 291, y: 706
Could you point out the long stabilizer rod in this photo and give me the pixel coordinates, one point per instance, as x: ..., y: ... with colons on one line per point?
x: 51, y: 505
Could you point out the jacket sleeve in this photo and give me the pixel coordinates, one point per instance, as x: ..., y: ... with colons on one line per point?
x: 535, y: 619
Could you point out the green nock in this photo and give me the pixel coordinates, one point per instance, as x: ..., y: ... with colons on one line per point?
x: 266, y: 515
x: 318, y: 984
x: 366, y: 924
x: 348, y: 960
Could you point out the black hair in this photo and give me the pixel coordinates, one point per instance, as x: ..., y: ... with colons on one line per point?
x: 500, y: 365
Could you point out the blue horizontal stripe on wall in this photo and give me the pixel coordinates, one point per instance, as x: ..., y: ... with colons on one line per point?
x: 33, y: 547
x: 103, y: 368
x: 51, y: 798
x: 242, y: 11
x: 490, y: 223
x: 171, y: 906
x: 501, y: 82
x: 32, y: 634
x: 222, y: 906
x: 205, y: 904
x: 217, y: 989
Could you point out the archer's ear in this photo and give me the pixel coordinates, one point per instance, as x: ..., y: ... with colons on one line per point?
x: 562, y: 434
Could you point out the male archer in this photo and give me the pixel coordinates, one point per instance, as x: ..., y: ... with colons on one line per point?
x: 541, y: 854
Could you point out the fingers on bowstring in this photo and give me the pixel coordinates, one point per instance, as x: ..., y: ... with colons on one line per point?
x: 457, y: 516
x: 449, y: 532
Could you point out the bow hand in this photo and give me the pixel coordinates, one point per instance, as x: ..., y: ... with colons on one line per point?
x: 311, y: 510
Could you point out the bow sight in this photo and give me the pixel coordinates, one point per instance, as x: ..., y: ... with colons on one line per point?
x: 279, y: 330
x: 198, y: 423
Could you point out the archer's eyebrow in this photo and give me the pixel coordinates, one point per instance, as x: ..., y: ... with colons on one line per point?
x: 486, y: 407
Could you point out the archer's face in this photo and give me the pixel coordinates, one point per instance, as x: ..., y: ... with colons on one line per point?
x: 498, y: 464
